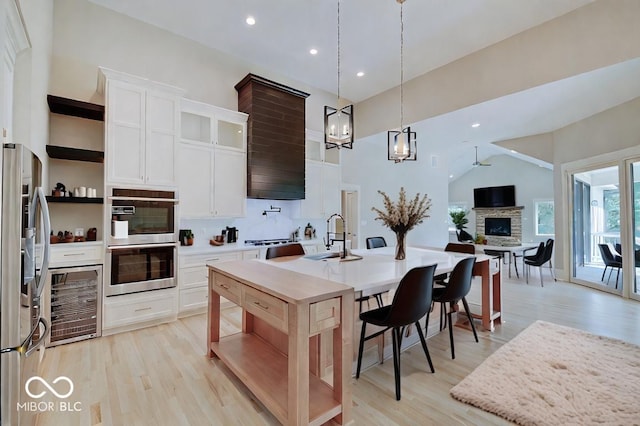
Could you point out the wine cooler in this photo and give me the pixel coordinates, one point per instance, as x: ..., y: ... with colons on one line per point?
x: 73, y: 304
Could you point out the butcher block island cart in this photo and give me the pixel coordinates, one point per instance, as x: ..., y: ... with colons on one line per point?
x: 285, y: 317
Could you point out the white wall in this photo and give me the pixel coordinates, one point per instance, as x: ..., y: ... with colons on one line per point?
x: 87, y: 36
x: 531, y: 182
x: 367, y: 166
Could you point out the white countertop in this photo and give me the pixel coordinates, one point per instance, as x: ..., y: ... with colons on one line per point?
x: 376, y: 271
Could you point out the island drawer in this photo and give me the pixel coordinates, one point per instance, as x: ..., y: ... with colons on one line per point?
x: 272, y: 310
x: 324, y: 315
x: 227, y: 288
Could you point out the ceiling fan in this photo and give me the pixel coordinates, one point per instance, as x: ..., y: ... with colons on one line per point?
x: 478, y: 163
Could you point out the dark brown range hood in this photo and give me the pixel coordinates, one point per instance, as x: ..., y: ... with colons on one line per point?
x: 275, y: 138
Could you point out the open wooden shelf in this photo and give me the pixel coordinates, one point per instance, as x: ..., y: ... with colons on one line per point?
x: 77, y: 200
x: 75, y: 108
x: 76, y: 154
x: 264, y: 370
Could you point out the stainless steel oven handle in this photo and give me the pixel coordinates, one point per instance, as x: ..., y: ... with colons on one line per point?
x: 165, y: 200
x: 130, y: 246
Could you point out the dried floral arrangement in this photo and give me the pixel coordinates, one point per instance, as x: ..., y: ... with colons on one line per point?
x: 403, y: 216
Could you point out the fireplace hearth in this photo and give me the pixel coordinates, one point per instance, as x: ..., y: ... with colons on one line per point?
x: 500, y: 225
x: 497, y: 226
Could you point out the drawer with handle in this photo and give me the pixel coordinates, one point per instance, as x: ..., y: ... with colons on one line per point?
x: 75, y: 255
x: 227, y: 288
x: 136, y: 308
x: 193, y: 299
x: 272, y: 310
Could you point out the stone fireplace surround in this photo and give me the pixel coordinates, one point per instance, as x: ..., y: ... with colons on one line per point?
x: 515, y: 213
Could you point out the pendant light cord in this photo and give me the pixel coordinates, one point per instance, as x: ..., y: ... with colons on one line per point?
x: 401, y: 66
x: 338, y: 103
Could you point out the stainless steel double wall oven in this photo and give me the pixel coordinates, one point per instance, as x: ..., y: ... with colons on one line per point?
x: 142, y: 245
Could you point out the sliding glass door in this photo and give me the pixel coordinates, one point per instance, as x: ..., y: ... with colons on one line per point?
x: 633, y: 243
x: 597, y: 245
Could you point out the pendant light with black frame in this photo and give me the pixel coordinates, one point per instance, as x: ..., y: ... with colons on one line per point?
x: 401, y: 144
x: 338, y: 122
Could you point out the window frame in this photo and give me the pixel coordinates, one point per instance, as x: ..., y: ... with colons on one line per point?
x: 536, y: 204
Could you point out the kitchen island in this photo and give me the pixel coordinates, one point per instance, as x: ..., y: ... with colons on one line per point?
x: 284, y: 315
x: 291, y: 303
x: 378, y: 271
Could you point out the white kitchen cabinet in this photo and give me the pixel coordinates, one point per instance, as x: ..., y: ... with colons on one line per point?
x: 212, y: 161
x: 195, y: 180
x: 14, y: 39
x: 311, y: 206
x: 213, y: 125
x: 322, y: 190
x: 331, y: 192
x: 315, y: 149
x: 193, y: 279
x: 230, y: 188
x: 76, y: 254
x: 212, y: 181
x: 142, y: 128
x: 131, y: 311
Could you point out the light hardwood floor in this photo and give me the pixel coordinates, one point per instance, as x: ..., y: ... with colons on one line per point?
x: 160, y: 375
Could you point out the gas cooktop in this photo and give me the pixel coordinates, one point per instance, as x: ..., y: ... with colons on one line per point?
x: 267, y: 242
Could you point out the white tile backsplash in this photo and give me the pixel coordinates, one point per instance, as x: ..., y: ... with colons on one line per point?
x: 256, y: 225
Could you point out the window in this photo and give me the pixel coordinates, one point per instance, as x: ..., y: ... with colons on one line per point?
x: 544, y: 217
x: 611, y: 210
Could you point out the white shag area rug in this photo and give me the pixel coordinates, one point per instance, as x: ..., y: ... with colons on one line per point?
x: 555, y: 375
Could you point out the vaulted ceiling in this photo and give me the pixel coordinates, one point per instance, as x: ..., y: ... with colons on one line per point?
x: 435, y: 33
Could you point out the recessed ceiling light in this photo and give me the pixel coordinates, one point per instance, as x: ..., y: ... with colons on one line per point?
x: 250, y: 20
x: 513, y: 151
x: 474, y: 125
x: 360, y: 73
x: 450, y: 176
x: 313, y: 51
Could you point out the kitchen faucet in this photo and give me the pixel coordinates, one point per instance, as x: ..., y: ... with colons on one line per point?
x: 329, y: 241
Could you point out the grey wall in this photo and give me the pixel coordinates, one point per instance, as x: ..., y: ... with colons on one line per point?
x: 532, y: 183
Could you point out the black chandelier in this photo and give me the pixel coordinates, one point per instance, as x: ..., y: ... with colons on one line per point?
x: 401, y: 144
x: 338, y: 122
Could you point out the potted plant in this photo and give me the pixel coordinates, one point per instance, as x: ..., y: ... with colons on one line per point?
x: 480, y: 239
x: 189, y: 237
x: 459, y: 219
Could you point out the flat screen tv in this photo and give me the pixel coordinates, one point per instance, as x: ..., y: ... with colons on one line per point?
x: 495, y: 196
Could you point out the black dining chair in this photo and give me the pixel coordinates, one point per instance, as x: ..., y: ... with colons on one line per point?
x: 610, y: 260
x: 540, y: 260
x: 539, y: 252
x: 373, y: 242
x: 457, y: 248
x: 294, y: 249
x: 464, y: 236
x: 411, y: 302
x: 455, y: 290
x: 461, y: 248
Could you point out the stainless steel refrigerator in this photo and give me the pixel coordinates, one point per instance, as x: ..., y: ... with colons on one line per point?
x: 25, y: 230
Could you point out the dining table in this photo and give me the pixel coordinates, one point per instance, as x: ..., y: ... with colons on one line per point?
x: 510, y: 251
